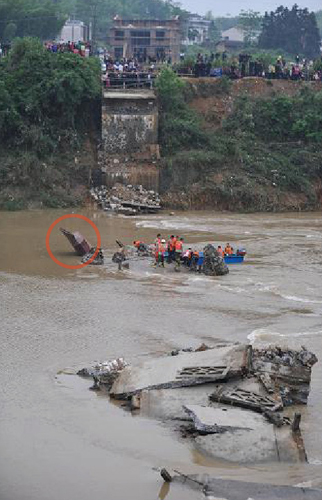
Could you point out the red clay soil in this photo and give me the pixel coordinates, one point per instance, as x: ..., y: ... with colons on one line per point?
x: 216, y: 106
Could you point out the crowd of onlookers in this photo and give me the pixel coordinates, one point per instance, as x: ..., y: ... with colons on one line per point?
x: 127, y: 72
x: 140, y: 71
x: 217, y: 65
x: 84, y: 49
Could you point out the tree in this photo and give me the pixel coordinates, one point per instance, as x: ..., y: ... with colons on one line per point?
x: 40, y: 18
x: 213, y: 34
x: 250, y: 22
x: 318, y: 16
x: 209, y: 16
x: 225, y: 23
x: 44, y: 93
x: 294, y: 31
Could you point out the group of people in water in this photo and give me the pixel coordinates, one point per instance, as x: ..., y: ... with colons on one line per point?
x: 172, y: 251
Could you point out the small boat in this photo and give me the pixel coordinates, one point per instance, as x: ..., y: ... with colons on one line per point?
x: 234, y: 259
x: 78, y: 242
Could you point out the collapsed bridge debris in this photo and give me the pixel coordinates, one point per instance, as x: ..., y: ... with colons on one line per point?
x: 221, y: 489
x: 126, y: 199
x: 287, y: 372
x: 215, y: 397
x: 186, y: 369
x: 78, y: 242
x: 246, y: 399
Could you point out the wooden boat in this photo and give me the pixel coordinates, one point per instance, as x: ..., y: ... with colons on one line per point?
x: 78, y: 242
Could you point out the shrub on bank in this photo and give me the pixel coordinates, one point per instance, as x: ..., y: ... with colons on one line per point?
x: 266, y: 148
x: 46, y: 100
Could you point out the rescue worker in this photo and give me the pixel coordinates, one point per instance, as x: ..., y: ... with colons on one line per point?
x: 161, y: 251
x: 187, y: 257
x: 228, y: 250
x: 220, y: 251
x: 178, y: 250
x: 157, y: 239
x: 194, y: 260
x: 171, y: 249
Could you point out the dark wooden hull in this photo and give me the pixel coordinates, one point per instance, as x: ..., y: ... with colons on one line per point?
x: 78, y: 242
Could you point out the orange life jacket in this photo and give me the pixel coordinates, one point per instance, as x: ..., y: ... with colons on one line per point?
x: 178, y: 246
x: 228, y: 250
x: 220, y: 251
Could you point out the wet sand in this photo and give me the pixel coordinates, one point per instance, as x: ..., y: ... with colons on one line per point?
x: 61, y: 441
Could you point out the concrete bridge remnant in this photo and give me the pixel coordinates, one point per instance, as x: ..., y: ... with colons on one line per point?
x: 129, y: 148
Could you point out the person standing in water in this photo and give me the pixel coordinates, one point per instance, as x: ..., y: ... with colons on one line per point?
x: 179, y: 249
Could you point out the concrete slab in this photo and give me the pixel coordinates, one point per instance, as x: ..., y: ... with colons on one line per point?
x: 218, y: 420
x: 164, y: 405
x: 251, y: 400
x: 239, y: 435
x: 186, y: 369
x: 262, y: 443
x: 129, y: 94
x: 225, y: 489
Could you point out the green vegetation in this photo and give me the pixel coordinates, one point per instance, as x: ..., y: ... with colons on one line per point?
x: 38, y: 18
x: 45, y: 102
x: 45, y: 18
x: 250, y: 22
x: 294, y: 31
x: 179, y: 125
x: 266, y: 154
x: 318, y: 16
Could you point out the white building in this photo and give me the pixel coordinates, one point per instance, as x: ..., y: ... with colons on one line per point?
x: 231, y: 40
x: 233, y: 35
x: 74, y: 31
x: 197, y: 30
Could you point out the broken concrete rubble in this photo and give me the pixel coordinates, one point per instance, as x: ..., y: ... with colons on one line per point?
x: 214, y: 264
x: 215, y: 397
x: 285, y: 372
x: 99, y: 259
x: 128, y: 200
x: 104, y: 373
x: 209, y: 420
x: 187, y: 369
x: 246, y: 399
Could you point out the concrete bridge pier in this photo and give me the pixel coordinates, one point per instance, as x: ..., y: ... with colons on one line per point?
x: 129, y: 148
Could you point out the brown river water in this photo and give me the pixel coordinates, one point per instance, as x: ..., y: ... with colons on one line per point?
x: 60, y: 441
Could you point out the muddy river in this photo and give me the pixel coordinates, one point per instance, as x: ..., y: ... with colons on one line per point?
x: 60, y: 441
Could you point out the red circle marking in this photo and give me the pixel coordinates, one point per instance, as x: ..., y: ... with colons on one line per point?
x: 71, y: 216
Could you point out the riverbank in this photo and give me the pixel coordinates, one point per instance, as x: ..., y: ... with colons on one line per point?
x: 249, y: 145
x: 49, y: 126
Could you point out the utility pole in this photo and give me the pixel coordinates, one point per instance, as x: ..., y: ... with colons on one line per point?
x: 94, y: 28
x: 73, y: 27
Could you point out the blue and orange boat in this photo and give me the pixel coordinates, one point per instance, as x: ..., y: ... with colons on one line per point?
x: 235, y: 258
